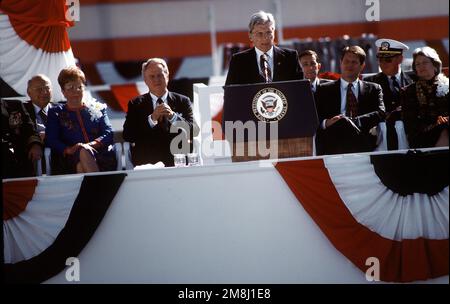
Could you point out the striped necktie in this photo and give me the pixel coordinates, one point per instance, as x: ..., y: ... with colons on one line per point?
x: 265, y: 68
x: 43, y: 116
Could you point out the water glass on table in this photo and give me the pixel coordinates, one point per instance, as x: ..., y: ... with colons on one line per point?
x: 179, y: 160
x: 193, y: 159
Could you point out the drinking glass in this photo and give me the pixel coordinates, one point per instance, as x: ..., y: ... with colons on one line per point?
x: 193, y: 159
x: 179, y: 160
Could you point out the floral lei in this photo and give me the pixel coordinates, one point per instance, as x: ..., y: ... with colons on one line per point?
x: 424, y: 89
x: 95, y: 109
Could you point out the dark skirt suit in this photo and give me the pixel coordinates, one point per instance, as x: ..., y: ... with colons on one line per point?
x: 67, y: 127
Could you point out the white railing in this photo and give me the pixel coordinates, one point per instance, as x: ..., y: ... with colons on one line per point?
x: 208, y: 101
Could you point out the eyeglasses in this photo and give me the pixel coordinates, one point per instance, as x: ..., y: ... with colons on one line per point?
x: 74, y: 87
x: 261, y: 35
x: 42, y: 89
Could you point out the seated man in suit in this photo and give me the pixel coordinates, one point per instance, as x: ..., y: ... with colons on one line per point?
x: 39, y: 90
x: 265, y: 62
x: 391, y: 78
x: 348, y: 108
x: 21, y: 144
x: 309, y: 62
x: 150, y: 116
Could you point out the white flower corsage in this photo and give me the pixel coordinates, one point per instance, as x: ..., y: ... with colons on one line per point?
x: 442, y: 87
x: 95, y: 109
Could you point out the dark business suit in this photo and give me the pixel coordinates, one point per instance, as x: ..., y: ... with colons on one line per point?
x: 342, y: 137
x: 323, y: 81
x: 30, y: 109
x: 18, y: 135
x: 391, y: 102
x: 320, y: 83
x: 244, y: 67
x: 152, y: 145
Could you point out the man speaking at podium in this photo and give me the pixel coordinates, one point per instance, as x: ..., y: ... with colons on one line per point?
x: 265, y: 62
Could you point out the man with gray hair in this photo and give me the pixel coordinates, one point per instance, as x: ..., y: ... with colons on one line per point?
x: 150, y: 116
x: 265, y: 62
x: 40, y: 91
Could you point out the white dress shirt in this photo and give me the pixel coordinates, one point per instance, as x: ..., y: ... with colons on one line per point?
x: 314, y: 84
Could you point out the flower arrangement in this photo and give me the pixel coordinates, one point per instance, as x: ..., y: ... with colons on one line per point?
x: 442, y: 86
x: 427, y: 93
x: 95, y: 109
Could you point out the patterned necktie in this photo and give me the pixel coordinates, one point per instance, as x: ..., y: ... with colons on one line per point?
x: 43, y: 116
x: 352, y: 104
x: 396, y: 88
x: 265, y: 69
x: 163, y: 123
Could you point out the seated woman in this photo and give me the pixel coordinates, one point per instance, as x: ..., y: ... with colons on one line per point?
x: 425, y: 102
x: 79, y: 130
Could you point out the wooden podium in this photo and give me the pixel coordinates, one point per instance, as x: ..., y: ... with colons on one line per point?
x: 288, y: 103
x: 287, y: 148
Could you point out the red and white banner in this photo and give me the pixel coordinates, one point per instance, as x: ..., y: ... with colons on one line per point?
x: 34, y: 41
x: 47, y: 220
x: 363, y: 218
x: 236, y: 223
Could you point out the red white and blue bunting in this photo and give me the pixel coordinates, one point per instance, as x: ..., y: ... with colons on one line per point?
x: 56, y: 223
x: 34, y: 41
x: 393, y: 207
x: 364, y: 218
x: 35, y: 228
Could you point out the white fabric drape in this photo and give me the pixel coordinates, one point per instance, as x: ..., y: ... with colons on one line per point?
x: 383, y: 211
x: 19, y: 61
x: 32, y: 231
